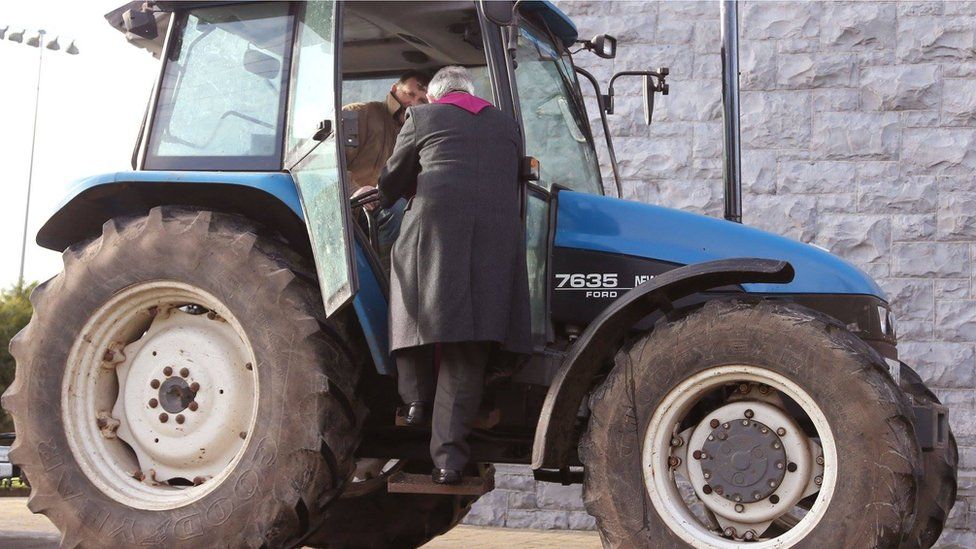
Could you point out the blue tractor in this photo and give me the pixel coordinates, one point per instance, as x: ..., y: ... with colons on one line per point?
x: 211, y: 367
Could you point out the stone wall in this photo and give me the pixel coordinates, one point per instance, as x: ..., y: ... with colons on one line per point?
x: 858, y: 135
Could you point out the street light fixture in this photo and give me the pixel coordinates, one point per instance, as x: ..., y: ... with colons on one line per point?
x: 35, y: 40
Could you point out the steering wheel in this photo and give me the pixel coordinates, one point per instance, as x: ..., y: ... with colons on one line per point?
x: 372, y: 223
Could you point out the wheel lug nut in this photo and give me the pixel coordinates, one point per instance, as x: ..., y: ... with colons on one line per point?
x: 153, y: 403
x: 776, y: 445
x: 781, y: 431
x: 820, y: 460
x: 749, y: 535
x: 707, y: 475
x: 193, y: 406
x: 779, y: 464
x: 749, y: 414
x: 697, y: 454
x: 791, y: 467
x: 764, y: 430
x: 818, y: 480
x: 737, y: 497
x: 772, y: 484
x: 713, y: 424
x: 167, y: 371
x: 745, y: 422
x: 180, y: 419
x: 725, y: 425
x: 675, y: 441
x: 707, y: 489
x: 719, y: 490
x: 743, y: 387
x: 729, y: 532
x: 195, y: 387
x: 154, y: 384
x: 711, y: 437
x: 739, y: 508
x: 184, y: 372
x: 764, y: 389
x: 674, y: 461
x: 774, y: 499
x: 756, y: 496
x: 164, y: 417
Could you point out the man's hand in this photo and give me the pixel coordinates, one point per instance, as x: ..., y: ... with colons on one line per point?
x: 371, y: 206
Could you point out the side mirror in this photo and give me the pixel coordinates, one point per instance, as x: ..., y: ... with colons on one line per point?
x: 499, y: 13
x: 650, y: 87
x: 648, y: 98
x: 261, y: 64
x: 602, y: 45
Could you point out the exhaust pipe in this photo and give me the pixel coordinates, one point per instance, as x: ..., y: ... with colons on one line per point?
x: 730, y: 110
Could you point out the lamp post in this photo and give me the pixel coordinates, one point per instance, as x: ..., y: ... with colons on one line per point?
x: 37, y: 41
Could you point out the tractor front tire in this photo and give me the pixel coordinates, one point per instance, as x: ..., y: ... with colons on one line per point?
x: 717, y: 383
x: 178, y: 343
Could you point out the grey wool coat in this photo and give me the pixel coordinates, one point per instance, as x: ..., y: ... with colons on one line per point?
x: 459, y: 271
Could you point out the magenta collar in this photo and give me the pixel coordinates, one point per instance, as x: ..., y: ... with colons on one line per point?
x: 466, y: 101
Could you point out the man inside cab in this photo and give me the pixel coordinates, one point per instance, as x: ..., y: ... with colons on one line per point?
x: 379, y: 123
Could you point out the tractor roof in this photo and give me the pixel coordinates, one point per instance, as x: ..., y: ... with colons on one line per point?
x: 560, y: 23
x: 562, y: 26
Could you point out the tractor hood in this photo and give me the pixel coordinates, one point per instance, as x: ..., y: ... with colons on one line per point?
x: 605, y: 224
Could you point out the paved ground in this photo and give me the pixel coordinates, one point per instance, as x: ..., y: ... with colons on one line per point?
x: 21, y: 529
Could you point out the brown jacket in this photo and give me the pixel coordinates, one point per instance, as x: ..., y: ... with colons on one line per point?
x: 379, y: 124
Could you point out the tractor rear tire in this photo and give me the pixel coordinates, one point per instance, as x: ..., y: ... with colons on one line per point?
x: 876, y: 461
x: 938, y: 490
x: 291, y: 463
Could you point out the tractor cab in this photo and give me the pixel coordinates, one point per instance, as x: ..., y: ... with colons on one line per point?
x: 259, y: 87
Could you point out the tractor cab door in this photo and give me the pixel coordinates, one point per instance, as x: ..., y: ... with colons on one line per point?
x: 313, y: 155
x: 557, y: 134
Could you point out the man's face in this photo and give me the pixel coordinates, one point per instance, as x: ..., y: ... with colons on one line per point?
x: 410, y: 93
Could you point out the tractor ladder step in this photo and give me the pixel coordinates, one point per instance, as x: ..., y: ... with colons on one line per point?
x: 486, y: 419
x: 411, y: 483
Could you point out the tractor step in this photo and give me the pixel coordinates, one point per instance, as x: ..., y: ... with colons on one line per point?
x: 486, y: 419
x: 411, y: 483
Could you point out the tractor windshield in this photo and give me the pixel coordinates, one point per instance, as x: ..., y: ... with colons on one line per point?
x: 222, y: 94
x: 556, y: 128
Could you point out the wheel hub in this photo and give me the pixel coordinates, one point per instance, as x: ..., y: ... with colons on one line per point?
x: 175, y: 395
x: 186, y: 396
x: 745, y: 460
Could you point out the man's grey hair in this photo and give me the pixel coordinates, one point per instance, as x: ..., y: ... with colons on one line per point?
x: 450, y: 78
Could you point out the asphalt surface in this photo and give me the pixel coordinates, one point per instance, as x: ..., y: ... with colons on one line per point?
x: 21, y: 529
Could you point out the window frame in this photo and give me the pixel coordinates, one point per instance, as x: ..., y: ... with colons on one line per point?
x: 275, y: 163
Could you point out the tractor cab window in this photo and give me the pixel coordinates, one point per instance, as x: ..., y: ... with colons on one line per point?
x: 556, y: 128
x: 222, y: 95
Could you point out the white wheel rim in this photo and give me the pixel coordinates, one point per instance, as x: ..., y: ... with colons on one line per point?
x: 135, y: 424
x: 659, y: 476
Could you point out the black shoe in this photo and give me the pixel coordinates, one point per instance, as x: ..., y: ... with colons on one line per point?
x: 445, y: 476
x: 417, y: 414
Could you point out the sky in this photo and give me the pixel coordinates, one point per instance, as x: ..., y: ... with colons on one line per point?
x: 89, y: 111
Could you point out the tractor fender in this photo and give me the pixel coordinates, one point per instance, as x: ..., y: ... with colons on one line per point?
x: 268, y: 198
x: 555, y: 432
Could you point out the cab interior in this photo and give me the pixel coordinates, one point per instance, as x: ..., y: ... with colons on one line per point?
x: 382, y: 40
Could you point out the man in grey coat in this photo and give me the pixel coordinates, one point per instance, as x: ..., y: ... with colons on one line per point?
x: 459, y: 275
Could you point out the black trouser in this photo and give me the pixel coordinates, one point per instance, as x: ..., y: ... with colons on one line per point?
x: 460, y: 382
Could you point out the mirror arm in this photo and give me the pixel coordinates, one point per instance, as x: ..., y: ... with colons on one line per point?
x: 600, y: 102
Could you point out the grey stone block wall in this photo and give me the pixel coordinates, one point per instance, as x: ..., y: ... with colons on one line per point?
x: 858, y: 135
